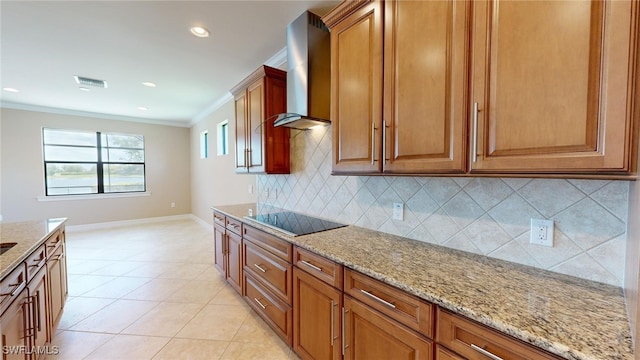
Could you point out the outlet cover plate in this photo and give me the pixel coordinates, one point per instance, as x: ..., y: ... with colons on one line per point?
x: 398, y: 211
x: 541, y: 232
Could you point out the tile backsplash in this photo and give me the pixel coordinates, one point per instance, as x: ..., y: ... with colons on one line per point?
x: 489, y: 216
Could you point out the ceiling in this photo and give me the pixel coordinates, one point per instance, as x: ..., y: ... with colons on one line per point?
x: 45, y: 43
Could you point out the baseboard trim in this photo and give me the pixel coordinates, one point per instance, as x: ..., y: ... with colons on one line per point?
x: 110, y: 224
x: 203, y: 223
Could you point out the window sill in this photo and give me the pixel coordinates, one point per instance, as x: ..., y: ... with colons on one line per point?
x: 91, y: 196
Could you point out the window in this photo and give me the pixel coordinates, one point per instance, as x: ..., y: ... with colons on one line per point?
x: 204, y: 144
x: 223, y: 138
x: 83, y: 162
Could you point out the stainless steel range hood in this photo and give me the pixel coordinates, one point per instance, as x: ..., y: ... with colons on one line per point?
x: 308, y: 74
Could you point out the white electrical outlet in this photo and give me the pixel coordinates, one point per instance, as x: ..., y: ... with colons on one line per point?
x: 398, y: 211
x: 541, y: 232
x: 173, y: 204
x: 250, y: 189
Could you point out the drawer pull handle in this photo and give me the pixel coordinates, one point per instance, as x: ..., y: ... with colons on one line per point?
x: 311, y: 265
x: 260, y: 268
x: 485, y: 352
x: 377, y: 298
x: 333, y: 305
x: 344, y: 337
x: 17, y: 288
x: 259, y: 303
x: 474, y: 148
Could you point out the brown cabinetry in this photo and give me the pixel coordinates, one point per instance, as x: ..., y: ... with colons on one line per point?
x: 261, y: 147
x: 14, y: 327
x: 38, y: 291
x: 227, y: 236
x: 267, y: 273
x: 317, y: 307
x: 480, y: 87
x: 56, y: 270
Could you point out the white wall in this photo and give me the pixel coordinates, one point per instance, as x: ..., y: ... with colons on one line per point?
x: 167, y: 170
x: 213, y: 180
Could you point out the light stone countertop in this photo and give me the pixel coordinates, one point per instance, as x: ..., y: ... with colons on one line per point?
x: 568, y: 316
x: 28, y: 235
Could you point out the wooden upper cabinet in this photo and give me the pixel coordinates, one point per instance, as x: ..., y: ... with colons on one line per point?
x: 356, y: 85
x: 425, y: 82
x: 553, y: 85
x: 261, y: 147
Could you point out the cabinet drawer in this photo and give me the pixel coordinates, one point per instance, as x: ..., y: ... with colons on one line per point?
x: 278, y: 247
x: 442, y: 353
x: 35, y: 262
x: 219, y: 219
x: 234, y: 225
x: 271, y: 270
x: 273, y: 310
x: 318, y: 266
x: 407, y: 309
x: 11, y: 286
x: 53, y: 242
x: 471, y: 340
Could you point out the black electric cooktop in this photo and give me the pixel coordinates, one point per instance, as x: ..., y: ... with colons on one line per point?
x: 295, y: 224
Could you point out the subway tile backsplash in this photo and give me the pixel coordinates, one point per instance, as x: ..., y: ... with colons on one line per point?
x: 488, y: 216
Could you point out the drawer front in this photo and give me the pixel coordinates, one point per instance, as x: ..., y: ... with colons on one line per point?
x: 319, y: 267
x: 407, y: 309
x: 234, y: 225
x: 274, y: 311
x: 272, y: 271
x: 280, y: 248
x: 36, y: 261
x: 442, y: 353
x: 11, y: 286
x: 475, y: 341
x: 219, y: 219
x: 53, y: 242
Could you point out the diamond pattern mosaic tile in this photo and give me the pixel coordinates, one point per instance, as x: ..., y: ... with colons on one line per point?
x: 488, y: 216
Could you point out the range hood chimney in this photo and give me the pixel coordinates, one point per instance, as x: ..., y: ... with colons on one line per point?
x: 308, y: 74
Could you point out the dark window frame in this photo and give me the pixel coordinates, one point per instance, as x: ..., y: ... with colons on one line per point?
x: 100, y: 164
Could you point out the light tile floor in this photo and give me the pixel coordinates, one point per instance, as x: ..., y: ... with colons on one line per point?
x: 152, y: 292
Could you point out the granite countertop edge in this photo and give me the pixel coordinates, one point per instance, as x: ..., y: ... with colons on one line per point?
x: 28, y: 239
x: 310, y: 242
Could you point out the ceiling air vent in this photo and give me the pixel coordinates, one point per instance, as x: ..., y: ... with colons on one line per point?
x: 90, y: 82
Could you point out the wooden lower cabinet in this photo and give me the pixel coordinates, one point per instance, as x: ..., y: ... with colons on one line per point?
x: 316, y: 318
x: 370, y: 335
x: 56, y: 271
x: 275, y: 312
x: 442, y: 353
x: 228, y: 250
x: 14, y: 326
x: 219, y: 239
x: 38, y: 295
x: 234, y: 261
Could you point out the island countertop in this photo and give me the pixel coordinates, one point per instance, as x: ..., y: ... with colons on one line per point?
x: 567, y: 316
x: 28, y: 235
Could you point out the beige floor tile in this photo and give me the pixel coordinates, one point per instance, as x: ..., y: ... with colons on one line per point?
x: 211, y: 274
x: 228, y: 296
x: 157, y: 289
x: 187, y: 271
x: 197, y: 292
x: 129, y: 347
x: 75, y: 345
x: 149, y: 269
x: 191, y: 349
x: 166, y: 319
x: 255, y: 330
x: 79, y: 308
x: 117, y: 288
x: 215, y: 322
x: 115, y: 317
x: 80, y: 284
x: 267, y: 351
x: 118, y: 268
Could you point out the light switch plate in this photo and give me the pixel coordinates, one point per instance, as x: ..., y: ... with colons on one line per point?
x: 398, y: 211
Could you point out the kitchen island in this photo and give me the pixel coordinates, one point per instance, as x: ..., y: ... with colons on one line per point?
x: 566, y: 316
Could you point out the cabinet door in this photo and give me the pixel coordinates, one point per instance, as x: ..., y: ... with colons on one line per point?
x: 316, y: 318
x: 425, y: 92
x: 356, y: 97
x: 255, y: 127
x: 219, y: 240
x: 370, y: 335
x: 234, y: 261
x: 14, y: 328
x: 241, y: 132
x: 38, y: 293
x: 57, y: 282
x: 552, y: 83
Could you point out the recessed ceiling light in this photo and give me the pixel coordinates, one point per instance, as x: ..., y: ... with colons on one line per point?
x: 142, y: 108
x: 149, y: 84
x: 11, y: 89
x: 84, y: 88
x: 200, y: 31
